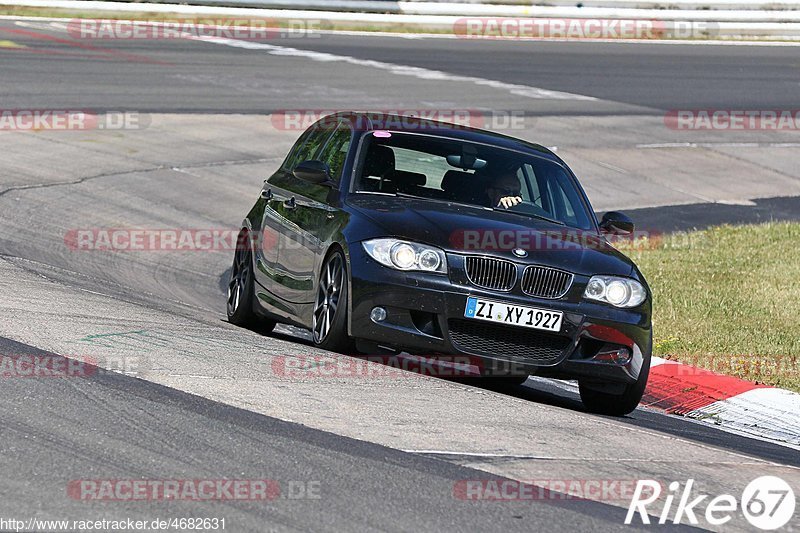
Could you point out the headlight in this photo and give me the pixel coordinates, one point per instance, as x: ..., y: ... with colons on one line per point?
x: 404, y: 255
x: 619, y: 292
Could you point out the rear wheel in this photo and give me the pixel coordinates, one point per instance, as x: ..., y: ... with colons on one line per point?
x: 241, y: 289
x: 329, y: 323
x: 615, y: 404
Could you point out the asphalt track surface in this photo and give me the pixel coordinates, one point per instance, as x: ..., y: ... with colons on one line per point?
x: 651, y: 76
x: 361, y: 485
x: 205, y: 402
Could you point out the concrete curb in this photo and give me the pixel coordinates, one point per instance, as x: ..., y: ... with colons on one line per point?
x: 697, y: 24
x: 729, y: 402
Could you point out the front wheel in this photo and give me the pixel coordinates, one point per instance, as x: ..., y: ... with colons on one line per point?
x: 619, y: 404
x: 329, y: 322
x: 240, y: 292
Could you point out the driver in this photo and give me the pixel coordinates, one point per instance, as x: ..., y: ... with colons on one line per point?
x: 504, y: 191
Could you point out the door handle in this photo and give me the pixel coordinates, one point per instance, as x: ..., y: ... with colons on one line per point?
x: 266, y: 194
x: 290, y: 203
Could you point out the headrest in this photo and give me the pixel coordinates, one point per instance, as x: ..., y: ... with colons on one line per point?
x: 380, y: 161
x: 453, y: 179
x: 404, y: 178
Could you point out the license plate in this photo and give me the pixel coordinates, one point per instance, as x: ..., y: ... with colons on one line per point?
x: 513, y: 315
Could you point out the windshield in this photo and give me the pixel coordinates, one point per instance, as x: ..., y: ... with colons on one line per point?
x: 451, y: 170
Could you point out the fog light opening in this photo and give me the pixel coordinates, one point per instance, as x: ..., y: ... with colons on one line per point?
x: 378, y: 314
x: 620, y: 356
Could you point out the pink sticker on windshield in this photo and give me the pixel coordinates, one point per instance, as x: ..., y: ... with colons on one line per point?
x: 382, y: 134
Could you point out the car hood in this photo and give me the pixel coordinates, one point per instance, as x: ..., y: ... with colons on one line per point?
x: 459, y: 228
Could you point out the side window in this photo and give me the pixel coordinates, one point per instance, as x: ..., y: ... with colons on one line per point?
x: 315, y: 138
x: 294, y: 154
x: 533, y: 186
x: 335, y: 151
x: 566, y: 202
x: 570, y: 212
x: 524, y: 191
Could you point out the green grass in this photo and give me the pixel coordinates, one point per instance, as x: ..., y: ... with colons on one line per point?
x: 727, y: 299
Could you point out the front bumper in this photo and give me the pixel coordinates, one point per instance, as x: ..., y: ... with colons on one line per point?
x: 425, y: 316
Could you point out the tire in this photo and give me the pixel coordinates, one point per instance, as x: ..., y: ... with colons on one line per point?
x: 329, y: 320
x: 604, y: 403
x: 241, y: 290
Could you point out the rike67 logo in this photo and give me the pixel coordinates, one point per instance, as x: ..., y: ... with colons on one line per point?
x: 767, y: 502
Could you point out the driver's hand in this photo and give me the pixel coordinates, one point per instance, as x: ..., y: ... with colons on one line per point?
x: 509, y: 201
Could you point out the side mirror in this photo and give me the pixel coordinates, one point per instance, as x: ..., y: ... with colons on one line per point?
x: 313, y: 172
x: 615, y: 222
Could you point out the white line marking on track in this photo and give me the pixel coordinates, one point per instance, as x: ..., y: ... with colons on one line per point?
x: 719, y: 145
x: 478, y: 454
x: 612, y: 167
x: 560, y: 458
x: 688, y: 42
x: 400, y: 70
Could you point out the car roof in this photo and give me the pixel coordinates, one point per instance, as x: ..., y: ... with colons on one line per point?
x: 371, y: 121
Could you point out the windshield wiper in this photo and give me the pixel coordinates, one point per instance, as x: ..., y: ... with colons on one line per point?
x: 407, y: 195
x: 540, y: 217
x: 440, y: 200
x: 501, y: 209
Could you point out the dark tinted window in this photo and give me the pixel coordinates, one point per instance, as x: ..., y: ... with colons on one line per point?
x: 291, y: 159
x: 335, y: 151
x: 314, y: 139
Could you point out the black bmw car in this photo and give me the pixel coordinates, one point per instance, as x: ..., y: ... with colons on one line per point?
x: 399, y: 233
